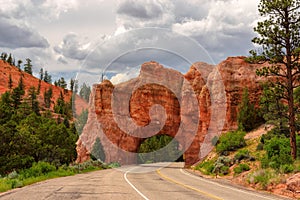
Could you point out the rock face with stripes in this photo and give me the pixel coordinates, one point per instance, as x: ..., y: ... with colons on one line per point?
x: 194, y: 108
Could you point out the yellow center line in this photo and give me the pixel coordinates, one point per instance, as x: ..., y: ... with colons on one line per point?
x: 187, y: 186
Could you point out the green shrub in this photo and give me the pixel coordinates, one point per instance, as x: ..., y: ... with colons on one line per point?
x: 275, y: 132
x: 221, y: 166
x: 15, y: 183
x: 206, y: 167
x: 278, y: 152
x: 38, y: 169
x: 241, y: 168
x: 13, y: 175
x: 220, y: 169
x: 287, y: 168
x: 262, y: 177
x: 241, y: 155
x: 260, y: 147
x: 231, y: 141
x: 114, y: 165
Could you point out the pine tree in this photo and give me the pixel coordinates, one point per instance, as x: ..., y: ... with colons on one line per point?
x: 28, y: 66
x: 72, y: 84
x: 17, y: 94
x: 47, y: 77
x: 4, y: 56
x: 97, y: 151
x: 47, y: 97
x: 279, y: 36
x: 10, y: 59
x: 19, y: 64
x: 41, y: 74
x: 10, y: 82
x: 273, y: 109
x: 85, y: 92
x: 34, y: 104
x: 248, y: 117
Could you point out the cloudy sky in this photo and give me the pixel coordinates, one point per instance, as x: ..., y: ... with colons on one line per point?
x: 114, y: 36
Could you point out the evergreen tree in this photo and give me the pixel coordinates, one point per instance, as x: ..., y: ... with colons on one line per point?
x: 248, y: 116
x: 47, y: 77
x: 4, y: 56
x: 28, y: 66
x: 85, y: 92
x: 97, y: 151
x: 62, y: 83
x: 19, y: 64
x: 72, y: 84
x: 34, y: 104
x: 273, y: 109
x: 10, y: 82
x: 17, y: 94
x: 76, y: 87
x: 41, y: 74
x: 10, y: 59
x: 47, y: 97
x: 279, y: 36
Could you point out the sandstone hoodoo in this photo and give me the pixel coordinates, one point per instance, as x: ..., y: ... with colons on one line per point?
x: 194, y: 109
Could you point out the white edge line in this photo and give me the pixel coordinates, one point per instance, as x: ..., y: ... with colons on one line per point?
x: 231, y: 188
x: 126, y: 179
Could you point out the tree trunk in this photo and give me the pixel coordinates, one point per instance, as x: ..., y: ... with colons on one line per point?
x: 290, y: 88
x: 292, y: 126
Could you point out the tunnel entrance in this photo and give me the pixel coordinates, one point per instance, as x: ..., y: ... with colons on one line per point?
x: 160, y: 148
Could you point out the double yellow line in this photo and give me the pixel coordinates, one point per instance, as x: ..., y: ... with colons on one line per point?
x: 187, y: 186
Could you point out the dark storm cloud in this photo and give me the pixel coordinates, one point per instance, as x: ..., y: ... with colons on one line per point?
x: 140, y: 9
x: 13, y: 36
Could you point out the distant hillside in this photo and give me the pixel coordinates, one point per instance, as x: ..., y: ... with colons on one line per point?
x: 7, y: 70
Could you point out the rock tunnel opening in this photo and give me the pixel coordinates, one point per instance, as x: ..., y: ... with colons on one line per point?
x: 160, y: 148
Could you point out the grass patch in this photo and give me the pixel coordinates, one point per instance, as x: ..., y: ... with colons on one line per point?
x: 42, y: 171
x: 263, y: 177
x: 206, y: 167
x: 241, y: 168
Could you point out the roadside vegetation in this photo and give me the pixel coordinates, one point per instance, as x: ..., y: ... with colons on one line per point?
x: 38, y: 135
x: 43, y: 171
x: 260, y: 161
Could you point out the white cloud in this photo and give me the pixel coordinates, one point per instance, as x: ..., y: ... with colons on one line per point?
x: 122, y: 77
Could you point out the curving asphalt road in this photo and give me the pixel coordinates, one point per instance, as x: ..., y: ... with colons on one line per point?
x: 152, y: 181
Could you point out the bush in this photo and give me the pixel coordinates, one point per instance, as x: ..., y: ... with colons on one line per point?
x: 260, y: 147
x: 221, y: 166
x: 41, y: 168
x: 220, y: 169
x: 262, y: 177
x: 231, y: 141
x: 206, y: 167
x: 278, y: 152
x: 241, y: 155
x: 13, y: 175
x: 241, y: 168
x: 275, y: 132
x: 287, y: 168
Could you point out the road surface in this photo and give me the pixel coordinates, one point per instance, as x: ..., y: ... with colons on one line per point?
x: 142, y: 182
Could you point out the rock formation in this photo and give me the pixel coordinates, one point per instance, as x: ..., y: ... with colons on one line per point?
x: 194, y: 108
x: 7, y: 70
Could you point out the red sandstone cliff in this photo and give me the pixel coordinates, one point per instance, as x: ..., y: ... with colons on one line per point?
x: 197, y: 107
x: 7, y: 70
